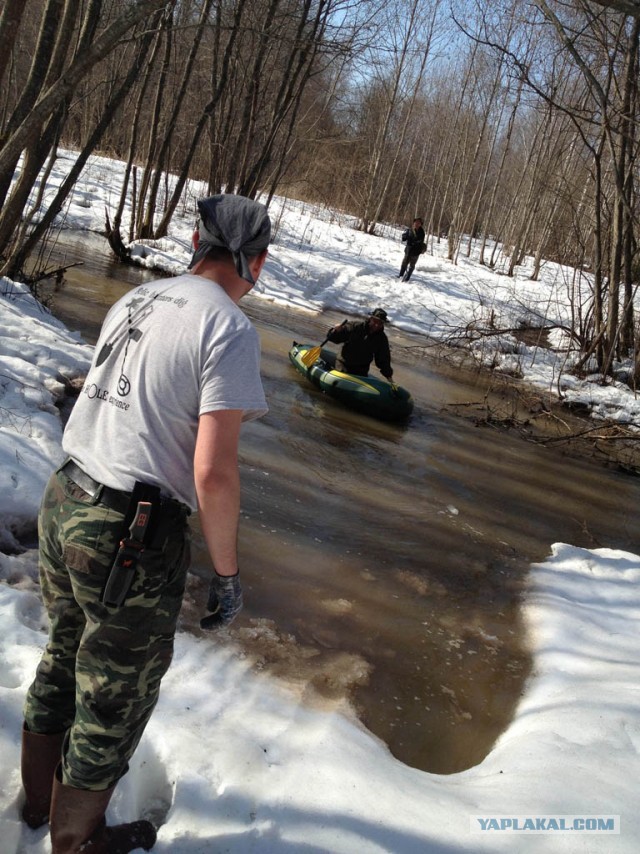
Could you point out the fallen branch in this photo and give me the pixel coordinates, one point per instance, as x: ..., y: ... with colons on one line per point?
x: 56, y: 273
x: 593, y: 433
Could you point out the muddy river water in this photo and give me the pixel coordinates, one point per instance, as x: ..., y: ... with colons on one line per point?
x: 384, y: 566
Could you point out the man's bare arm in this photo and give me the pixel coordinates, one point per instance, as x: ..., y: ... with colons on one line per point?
x: 217, y: 481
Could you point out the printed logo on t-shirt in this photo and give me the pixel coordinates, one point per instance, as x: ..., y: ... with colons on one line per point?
x: 95, y: 392
x: 139, y: 308
x: 124, y: 386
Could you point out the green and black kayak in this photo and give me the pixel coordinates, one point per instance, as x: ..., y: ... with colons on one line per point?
x: 369, y: 395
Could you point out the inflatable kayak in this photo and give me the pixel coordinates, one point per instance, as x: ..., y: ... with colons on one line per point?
x: 372, y: 396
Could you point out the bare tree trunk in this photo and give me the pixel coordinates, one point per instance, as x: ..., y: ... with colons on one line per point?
x: 630, y: 247
x: 250, y: 101
x: 383, y: 191
x: 155, y: 29
x: 49, y: 101
x: 459, y: 219
x: 367, y: 222
x: 623, y: 201
x: 17, y: 259
x: 160, y: 159
x: 35, y: 81
x: 10, y: 19
x: 596, y: 345
x: 202, y: 123
x: 52, y: 100
x: 36, y: 154
x: 292, y: 86
x: 214, y: 177
x: 497, y: 180
x: 166, y: 28
x: 453, y: 159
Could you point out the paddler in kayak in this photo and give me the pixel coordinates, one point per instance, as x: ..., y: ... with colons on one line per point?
x: 364, y: 341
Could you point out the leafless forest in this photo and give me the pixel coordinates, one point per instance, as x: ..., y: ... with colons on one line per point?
x: 514, y: 123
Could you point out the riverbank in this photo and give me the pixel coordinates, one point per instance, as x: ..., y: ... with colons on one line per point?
x: 515, y: 406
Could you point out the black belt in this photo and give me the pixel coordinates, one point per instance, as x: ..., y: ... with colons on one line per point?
x: 117, y: 499
x: 114, y: 499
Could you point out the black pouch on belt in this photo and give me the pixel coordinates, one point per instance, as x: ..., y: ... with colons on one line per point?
x: 136, y: 534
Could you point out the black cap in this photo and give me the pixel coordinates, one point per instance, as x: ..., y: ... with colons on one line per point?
x: 380, y: 313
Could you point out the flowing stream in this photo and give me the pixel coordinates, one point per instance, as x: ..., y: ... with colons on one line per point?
x: 383, y: 565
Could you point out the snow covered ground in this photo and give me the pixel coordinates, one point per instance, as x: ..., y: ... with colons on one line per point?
x: 235, y: 761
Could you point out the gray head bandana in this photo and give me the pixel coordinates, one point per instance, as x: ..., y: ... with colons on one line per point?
x: 235, y: 223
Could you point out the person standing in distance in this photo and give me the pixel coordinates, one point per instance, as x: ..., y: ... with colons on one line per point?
x: 153, y: 436
x: 414, y: 238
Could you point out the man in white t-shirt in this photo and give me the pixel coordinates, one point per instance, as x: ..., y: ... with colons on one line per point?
x: 153, y: 436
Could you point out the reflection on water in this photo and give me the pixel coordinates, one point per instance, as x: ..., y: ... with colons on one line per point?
x: 385, y: 564
x: 94, y: 284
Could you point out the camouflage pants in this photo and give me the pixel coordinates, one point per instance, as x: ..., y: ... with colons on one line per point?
x: 99, y: 677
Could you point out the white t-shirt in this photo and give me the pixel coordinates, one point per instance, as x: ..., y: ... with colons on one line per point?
x: 168, y: 352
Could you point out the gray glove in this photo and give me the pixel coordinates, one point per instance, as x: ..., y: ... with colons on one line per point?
x: 225, y: 600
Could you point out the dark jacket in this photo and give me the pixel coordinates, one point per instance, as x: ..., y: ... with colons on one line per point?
x: 361, y: 347
x: 415, y: 240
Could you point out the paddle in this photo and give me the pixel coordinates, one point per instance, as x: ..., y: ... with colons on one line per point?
x: 312, y: 355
